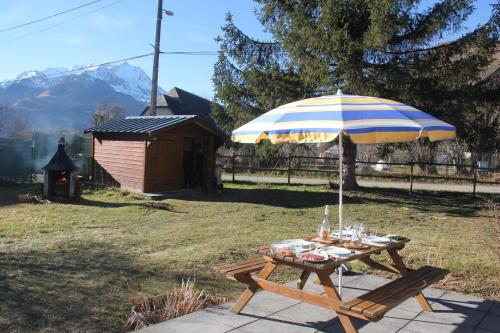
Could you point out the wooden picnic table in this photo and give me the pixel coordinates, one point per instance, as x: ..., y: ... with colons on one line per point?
x: 370, y: 306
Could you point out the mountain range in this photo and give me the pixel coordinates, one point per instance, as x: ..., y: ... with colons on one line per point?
x: 65, y: 98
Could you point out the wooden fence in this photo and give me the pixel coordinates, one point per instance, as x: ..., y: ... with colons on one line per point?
x: 298, y: 166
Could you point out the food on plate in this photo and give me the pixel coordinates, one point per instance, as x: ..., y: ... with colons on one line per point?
x: 312, y: 257
x: 286, y: 252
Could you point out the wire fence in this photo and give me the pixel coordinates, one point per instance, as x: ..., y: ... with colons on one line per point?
x: 294, y: 166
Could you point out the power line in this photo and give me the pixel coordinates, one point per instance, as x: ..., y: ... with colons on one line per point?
x: 50, y: 16
x: 194, y: 53
x: 61, y: 23
x: 101, y: 64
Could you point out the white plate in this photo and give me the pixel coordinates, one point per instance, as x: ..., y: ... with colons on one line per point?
x: 377, y: 239
x: 296, y: 245
x: 337, y: 251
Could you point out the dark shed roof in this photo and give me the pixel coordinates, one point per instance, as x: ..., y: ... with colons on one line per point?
x: 181, y: 102
x: 144, y: 124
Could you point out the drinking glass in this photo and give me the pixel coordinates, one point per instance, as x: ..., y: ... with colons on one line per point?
x: 371, y: 232
x: 356, y: 236
x: 361, y: 228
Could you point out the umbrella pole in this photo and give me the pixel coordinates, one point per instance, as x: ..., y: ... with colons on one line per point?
x: 341, y: 160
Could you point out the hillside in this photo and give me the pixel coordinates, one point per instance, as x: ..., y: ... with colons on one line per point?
x: 60, y: 98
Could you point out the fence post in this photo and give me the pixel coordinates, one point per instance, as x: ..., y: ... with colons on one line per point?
x: 32, y: 180
x: 289, y: 166
x: 233, y: 159
x: 474, y: 180
x: 411, y: 177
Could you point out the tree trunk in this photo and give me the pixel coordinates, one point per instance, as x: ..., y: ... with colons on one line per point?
x: 424, y: 152
x: 350, y: 182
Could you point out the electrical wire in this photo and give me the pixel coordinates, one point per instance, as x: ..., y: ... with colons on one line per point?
x: 191, y: 52
x: 61, y: 23
x: 50, y: 16
x: 194, y: 53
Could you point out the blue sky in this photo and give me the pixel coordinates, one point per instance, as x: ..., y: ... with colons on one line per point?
x: 125, y: 28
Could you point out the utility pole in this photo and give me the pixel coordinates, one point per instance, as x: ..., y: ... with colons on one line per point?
x: 156, y: 61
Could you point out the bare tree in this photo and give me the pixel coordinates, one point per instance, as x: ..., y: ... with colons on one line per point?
x: 368, y: 153
x: 455, y: 150
x: 105, y: 113
x: 424, y: 153
x: 21, y: 128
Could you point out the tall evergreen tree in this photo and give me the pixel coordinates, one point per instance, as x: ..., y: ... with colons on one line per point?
x: 388, y: 48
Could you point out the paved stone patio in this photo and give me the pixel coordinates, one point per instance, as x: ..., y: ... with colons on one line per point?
x: 268, y: 312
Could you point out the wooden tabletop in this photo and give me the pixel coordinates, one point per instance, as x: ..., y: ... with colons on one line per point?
x: 334, y: 262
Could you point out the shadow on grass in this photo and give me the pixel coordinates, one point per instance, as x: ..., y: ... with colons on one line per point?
x: 149, y: 205
x: 451, y: 203
x: 9, y: 197
x: 10, y: 191
x: 77, y: 287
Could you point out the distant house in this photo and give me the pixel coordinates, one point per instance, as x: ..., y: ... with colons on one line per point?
x: 172, y: 150
x: 180, y: 102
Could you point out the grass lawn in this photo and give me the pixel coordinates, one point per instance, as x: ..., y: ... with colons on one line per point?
x: 77, y: 266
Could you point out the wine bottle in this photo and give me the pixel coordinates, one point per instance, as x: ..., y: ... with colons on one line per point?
x: 325, y: 225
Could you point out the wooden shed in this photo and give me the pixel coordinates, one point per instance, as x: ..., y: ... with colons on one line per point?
x: 155, y: 154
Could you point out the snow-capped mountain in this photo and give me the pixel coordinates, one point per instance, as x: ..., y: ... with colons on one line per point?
x: 123, y: 78
x: 65, y: 98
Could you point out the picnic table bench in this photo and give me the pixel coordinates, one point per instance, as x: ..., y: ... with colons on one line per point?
x: 370, y: 306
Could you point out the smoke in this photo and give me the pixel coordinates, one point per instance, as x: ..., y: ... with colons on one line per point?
x: 19, y: 158
x: 78, y: 147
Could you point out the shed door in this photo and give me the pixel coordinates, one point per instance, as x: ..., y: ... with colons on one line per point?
x: 194, y: 161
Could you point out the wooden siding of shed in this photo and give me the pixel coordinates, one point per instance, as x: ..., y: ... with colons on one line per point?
x: 164, y: 163
x: 122, y: 160
x: 164, y: 159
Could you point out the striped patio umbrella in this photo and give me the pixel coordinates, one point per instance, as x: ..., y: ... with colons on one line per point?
x: 364, y: 119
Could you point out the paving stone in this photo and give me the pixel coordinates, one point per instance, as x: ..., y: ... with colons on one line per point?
x: 491, y: 322
x: 418, y: 326
x: 274, y: 325
x: 384, y: 325
x: 495, y: 309
x: 310, y: 286
x: 405, y: 312
x: 467, y: 301
x: 433, y: 294
x: 222, y: 313
x: 193, y: 323
x: 265, y: 303
x: 346, y: 277
x: 367, y: 282
x: 268, y: 312
x: 451, y: 314
x: 306, y: 314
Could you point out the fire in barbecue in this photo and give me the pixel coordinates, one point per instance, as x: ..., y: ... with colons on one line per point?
x: 62, y: 178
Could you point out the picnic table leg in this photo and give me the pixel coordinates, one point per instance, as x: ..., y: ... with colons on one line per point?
x: 401, y: 267
x: 329, y: 287
x: 303, y: 279
x: 253, y: 287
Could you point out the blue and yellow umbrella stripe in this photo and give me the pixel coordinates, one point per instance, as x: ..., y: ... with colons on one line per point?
x: 364, y: 119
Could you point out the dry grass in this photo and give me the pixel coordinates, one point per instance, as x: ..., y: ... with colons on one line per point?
x: 493, y: 242
x: 178, y: 302
x: 77, y: 266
